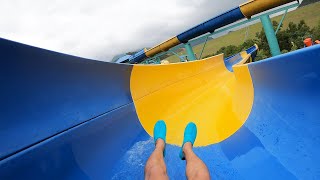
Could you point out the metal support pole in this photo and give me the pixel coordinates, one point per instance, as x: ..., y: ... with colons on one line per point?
x: 158, y: 60
x: 191, y: 56
x: 270, y: 34
x: 281, y: 21
x: 174, y: 53
x: 204, y: 45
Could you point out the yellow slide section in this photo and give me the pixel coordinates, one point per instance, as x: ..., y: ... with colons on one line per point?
x: 203, y: 91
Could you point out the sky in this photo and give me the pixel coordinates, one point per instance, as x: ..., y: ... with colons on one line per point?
x: 101, y: 29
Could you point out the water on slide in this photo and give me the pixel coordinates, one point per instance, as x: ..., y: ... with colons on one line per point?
x: 65, y: 117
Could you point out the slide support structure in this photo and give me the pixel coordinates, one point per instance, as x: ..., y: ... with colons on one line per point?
x: 191, y: 56
x: 271, y: 35
x: 204, y: 46
x: 281, y: 21
x: 245, y: 10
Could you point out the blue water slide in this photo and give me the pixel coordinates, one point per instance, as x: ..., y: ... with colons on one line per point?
x: 212, y: 24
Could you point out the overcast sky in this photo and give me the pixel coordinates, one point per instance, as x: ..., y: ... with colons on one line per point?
x: 101, y: 29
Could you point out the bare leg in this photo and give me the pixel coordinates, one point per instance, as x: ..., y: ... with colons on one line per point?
x: 156, y: 168
x: 196, y: 169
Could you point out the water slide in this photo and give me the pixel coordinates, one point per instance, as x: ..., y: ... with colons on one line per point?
x: 66, y: 117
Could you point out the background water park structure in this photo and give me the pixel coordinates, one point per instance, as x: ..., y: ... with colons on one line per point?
x: 236, y: 36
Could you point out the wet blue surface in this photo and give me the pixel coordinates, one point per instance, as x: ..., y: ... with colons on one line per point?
x: 280, y: 139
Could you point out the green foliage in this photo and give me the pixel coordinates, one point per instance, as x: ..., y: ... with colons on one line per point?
x: 229, y: 50
x: 261, y: 55
x: 316, y: 32
x: 308, y: 13
x: 289, y: 39
x: 297, y: 33
x: 209, y: 55
x: 247, y: 44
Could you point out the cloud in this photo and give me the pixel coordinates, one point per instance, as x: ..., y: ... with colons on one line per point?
x: 100, y: 29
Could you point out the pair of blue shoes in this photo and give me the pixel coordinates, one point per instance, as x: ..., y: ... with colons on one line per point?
x: 190, y: 134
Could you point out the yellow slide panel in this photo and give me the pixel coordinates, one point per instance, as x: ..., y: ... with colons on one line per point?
x: 246, y: 58
x: 203, y: 91
x: 253, y: 7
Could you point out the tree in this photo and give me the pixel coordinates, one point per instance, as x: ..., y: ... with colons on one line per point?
x: 316, y: 32
x: 247, y: 44
x: 229, y: 50
x: 298, y: 32
x: 289, y: 39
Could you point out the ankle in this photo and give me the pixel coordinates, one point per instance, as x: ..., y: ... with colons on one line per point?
x: 160, y: 144
x: 187, y: 147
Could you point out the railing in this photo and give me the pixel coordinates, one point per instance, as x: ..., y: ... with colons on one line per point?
x: 172, y: 43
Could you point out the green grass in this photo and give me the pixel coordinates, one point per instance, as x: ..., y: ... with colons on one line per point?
x: 310, y: 14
